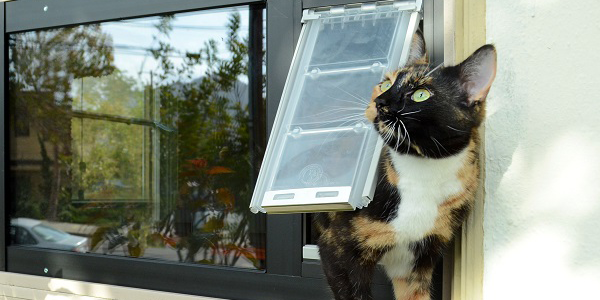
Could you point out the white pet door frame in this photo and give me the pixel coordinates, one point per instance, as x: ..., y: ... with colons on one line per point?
x: 322, y: 154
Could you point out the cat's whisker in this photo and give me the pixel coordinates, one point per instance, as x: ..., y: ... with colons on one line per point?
x: 408, y: 136
x: 343, y: 107
x: 360, y: 100
x: 360, y: 114
x: 357, y: 96
x: 338, y: 111
x: 352, y: 114
x: 353, y: 96
x: 438, y: 143
x: 389, y: 132
x: 412, y: 119
x: 410, y: 112
x: 337, y: 134
x: 386, y: 136
x: 329, y: 114
x: 357, y: 118
x: 347, y: 122
x: 398, y: 139
x: 393, y: 129
x: 455, y: 128
x: 404, y: 135
x: 433, y: 70
x: 403, y: 106
x: 347, y: 108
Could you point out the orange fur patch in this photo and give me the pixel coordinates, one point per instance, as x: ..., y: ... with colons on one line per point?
x: 413, y: 290
x: 371, y: 111
x: 373, y: 234
x: 390, y: 172
x: 468, y: 175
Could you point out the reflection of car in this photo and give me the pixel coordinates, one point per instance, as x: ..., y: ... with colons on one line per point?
x: 32, y: 232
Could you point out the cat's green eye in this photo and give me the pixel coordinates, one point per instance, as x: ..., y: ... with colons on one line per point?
x: 421, y: 95
x: 386, y: 85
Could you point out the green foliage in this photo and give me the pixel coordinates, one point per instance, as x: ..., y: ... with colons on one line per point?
x: 42, y: 65
x: 213, y: 148
x: 98, y: 169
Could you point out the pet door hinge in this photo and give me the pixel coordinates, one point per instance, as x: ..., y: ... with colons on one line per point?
x: 409, y: 5
x: 358, y: 8
x: 309, y: 15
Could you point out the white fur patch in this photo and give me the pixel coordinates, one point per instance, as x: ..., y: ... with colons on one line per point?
x: 398, y: 262
x: 423, y: 184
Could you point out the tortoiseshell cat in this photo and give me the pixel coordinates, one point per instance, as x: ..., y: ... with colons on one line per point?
x: 429, y: 173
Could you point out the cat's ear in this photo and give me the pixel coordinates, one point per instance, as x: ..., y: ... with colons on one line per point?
x: 478, y: 72
x: 418, y: 50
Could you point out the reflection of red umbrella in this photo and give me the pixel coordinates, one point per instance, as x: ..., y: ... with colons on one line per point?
x: 248, y: 252
x: 171, y: 241
x: 219, y: 170
x: 259, y: 252
x: 198, y: 163
x: 226, y: 197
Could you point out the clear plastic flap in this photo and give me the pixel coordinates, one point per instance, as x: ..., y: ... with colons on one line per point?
x: 322, y: 147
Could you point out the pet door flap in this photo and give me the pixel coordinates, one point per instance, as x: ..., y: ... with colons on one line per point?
x: 322, y: 154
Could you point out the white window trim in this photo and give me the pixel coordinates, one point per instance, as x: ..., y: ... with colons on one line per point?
x: 464, y: 32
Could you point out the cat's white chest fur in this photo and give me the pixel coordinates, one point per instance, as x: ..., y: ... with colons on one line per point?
x: 423, y: 184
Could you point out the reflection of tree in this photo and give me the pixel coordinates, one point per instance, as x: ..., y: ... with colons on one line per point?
x: 213, y: 148
x: 168, y: 165
x: 42, y: 66
x: 111, y: 152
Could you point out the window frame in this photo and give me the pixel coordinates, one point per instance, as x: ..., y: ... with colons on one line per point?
x: 283, y: 257
x: 286, y: 272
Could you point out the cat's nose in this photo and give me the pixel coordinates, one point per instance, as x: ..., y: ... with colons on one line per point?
x: 381, y: 102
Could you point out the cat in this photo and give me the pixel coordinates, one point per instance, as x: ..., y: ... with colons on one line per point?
x: 428, y: 176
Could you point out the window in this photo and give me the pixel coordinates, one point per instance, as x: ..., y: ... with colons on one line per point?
x: 20, y: 236
x: 118, y: 145
x: 143, y: 135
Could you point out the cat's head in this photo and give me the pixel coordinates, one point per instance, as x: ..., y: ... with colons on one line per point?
x: 432, y: 112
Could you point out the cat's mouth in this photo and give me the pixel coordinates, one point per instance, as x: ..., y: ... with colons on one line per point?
x: 393, y: 131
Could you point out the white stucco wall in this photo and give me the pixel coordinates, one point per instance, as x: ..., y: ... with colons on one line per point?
x: 27, y: 287
x: 542, y: 209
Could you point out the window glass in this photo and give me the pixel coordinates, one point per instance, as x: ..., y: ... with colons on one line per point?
x: 49, y: 234
x: 20, y: 236
x: 142, y: 136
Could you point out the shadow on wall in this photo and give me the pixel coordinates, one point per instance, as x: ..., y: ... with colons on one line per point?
x: 542, y: 214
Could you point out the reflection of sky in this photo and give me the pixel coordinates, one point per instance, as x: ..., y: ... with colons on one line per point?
x: 132, y: 38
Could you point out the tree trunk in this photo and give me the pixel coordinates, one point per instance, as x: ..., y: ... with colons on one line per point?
x: 52, y: 214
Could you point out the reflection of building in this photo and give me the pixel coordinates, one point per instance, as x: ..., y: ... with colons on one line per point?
x: 58, y: 141
x: 34, y: 151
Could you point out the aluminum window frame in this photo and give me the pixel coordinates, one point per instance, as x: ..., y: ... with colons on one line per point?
x: 282, y: 265
x: 287, y: 275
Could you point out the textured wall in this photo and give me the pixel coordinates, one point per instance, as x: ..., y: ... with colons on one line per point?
x: 26, y: 287
x: 542, y: 209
